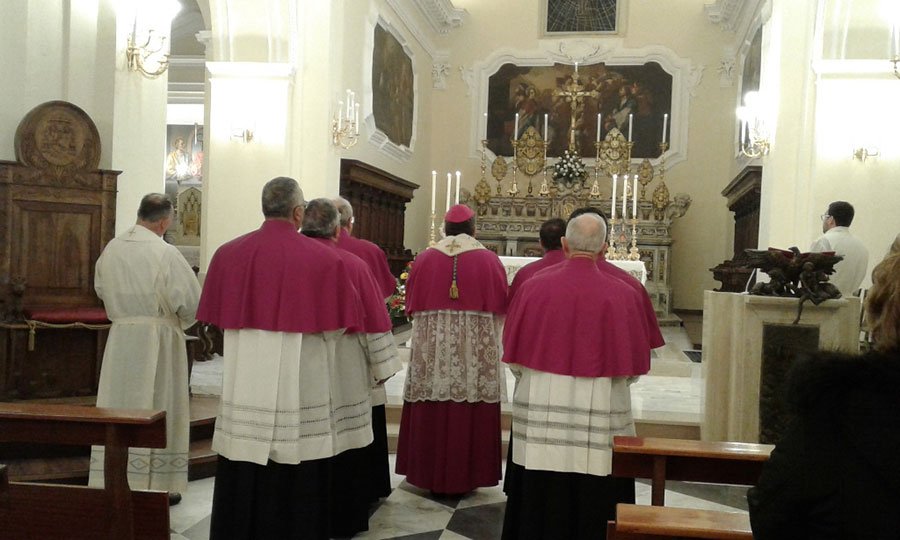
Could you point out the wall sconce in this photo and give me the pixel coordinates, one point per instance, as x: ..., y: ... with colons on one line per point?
x: 754, y: 138
x: 863, y: 154
x: 345, y: 126
x: 146, y: 52
x: 244, y: 135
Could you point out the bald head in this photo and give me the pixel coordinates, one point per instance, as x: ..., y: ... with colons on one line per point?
x: 586, y: 233
x: 155, y: 213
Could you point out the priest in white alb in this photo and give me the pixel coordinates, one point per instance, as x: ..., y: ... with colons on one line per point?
x: 150, y: 294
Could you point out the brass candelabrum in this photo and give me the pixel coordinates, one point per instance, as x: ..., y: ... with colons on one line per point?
x: 514, y: 188
x: 611, y: 250
x: 595, y: 187
x: 545, y: 187
x: 633, y: 253
x: 432, y: 235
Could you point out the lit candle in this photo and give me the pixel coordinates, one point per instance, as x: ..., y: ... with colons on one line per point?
x: 624, y: 197
x: 516, y: 129
x: 615, y: 183
x: 448, y: 191
x: 576, y: 67
x: 630, y: 125
x: 598, y: 127
x: 457, y: 187
x: 665, y: 125
x: 545, y: 127
x: 433, y: 186
x: 634, y: 197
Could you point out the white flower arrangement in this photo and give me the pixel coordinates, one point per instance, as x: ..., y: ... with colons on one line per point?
x: 569, y: 168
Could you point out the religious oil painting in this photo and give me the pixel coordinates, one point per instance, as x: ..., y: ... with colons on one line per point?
x: 184, y: 153
x: 632, y: 98
x: 580, y: 16
x: 393, y: 92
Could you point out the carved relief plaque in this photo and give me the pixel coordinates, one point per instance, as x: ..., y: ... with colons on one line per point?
x: 60, y: 136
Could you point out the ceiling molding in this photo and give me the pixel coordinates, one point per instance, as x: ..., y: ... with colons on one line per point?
x: 403, y: 10
x: 724, y: 12
x: 441, y: 14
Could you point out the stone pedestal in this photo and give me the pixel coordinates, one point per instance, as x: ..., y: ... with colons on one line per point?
x: 749, y: 343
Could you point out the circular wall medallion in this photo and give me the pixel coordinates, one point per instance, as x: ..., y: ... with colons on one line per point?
x: 58, y: 134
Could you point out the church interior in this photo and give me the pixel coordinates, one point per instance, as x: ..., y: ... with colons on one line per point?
x: 742, y: 120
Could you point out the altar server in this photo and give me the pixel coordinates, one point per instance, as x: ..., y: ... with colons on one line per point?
x: 578, y: 338
x: 450, y: 429
x: 150, y: 294
x: 287, y: 407
x: 358, y: 476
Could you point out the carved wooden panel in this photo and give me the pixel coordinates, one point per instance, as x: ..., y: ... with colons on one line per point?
x: 781, y: 344
x: 379, y: 206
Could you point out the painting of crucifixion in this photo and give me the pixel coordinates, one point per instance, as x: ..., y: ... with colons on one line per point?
x: 570, y: 102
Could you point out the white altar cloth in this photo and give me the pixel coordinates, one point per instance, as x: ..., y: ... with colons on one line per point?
x: 635, y: 268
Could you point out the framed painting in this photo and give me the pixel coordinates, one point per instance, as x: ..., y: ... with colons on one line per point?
x: 580, y: 16
x: 184, y: 153
x: 640, y: 94
x: 393, y: 87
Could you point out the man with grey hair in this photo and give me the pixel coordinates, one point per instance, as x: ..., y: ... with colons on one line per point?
x: 365, y: 250
x: 150, y: 294
x: 357, y: 474
x: 283, y: 301
x: 576, y: 338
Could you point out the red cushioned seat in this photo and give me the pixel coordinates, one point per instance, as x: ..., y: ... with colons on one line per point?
x: 87, y: 315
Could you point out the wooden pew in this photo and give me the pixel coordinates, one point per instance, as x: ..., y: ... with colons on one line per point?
x: 691, y: 461
x: 653, y: 522
x: 53, y: 511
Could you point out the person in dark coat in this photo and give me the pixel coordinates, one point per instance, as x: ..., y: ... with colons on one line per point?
x: 836, y: 472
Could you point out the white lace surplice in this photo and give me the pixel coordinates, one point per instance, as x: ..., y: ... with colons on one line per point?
x: 456, y: 357
x: 567, y: 424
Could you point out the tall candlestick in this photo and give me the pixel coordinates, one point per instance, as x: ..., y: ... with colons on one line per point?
x: 457, y: 187
x: 630, y: 125
x: 598, y: 126
x: 576, y: 67
x: 615, y: 183
x: 665, y: 125
x: 634, y: 198
x: 516, y: 129
x: 448, y: 191
x: 433, y: 185
x: 545, y: 126
x: 624, y: 197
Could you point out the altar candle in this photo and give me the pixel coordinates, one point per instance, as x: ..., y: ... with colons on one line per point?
x: 630, y: 125
x: 665, y: 125
x: 448, y: 191
x: 516, y: 129
x: 634, y: 197
x: 624, y: 197
x: 545, y: 127
x: 576, y: 67
x: 615, y: 183
x: 433, y: 186
x: 457, y: 187
x: 598, y: 127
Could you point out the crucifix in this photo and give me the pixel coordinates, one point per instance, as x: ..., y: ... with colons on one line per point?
x: 574, y: 93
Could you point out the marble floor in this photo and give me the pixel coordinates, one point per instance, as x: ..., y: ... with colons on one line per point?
x: 670, y: 392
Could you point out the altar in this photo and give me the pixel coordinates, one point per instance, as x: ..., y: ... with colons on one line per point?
x: 513, y: 264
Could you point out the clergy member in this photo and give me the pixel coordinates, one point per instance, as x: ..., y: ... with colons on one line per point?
x: 550, y: 238
x: 653, y: 332
x: 150, y: 294
x: 450, y: 429
x: 358, y: 475
x: 283, y: 301
x: 365, y: 250
x: 577, y: 337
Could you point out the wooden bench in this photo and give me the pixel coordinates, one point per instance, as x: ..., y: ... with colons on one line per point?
x: 691, y: 461
x: 653, y: 522
x: 53, y: 511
